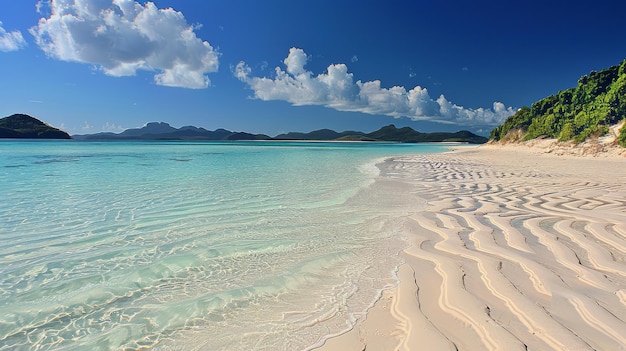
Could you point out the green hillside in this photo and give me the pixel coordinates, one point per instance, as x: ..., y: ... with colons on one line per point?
x: 25, y: 126
x: 574, y: 114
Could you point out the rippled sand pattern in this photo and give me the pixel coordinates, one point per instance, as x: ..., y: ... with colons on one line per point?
x: 515, y: 254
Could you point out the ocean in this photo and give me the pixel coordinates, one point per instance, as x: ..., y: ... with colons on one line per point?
x: 178, y: 245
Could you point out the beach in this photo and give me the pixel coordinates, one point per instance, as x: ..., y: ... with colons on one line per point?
x: 195, y: 246
x: 177, y: 245
x: 519, y: 248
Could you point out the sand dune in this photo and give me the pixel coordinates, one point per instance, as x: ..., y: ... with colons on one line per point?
x: 516, y: 251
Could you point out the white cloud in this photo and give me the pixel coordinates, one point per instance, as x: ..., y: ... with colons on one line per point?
x: 112, y: 127
x: 89, y: 128
x: 124, y: 36
x: 86, y: 127
x: 11, y: 41
x: 42, y: 6
x: 337, y: 89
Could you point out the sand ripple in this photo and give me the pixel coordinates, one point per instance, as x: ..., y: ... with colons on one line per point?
x: 513, y: 253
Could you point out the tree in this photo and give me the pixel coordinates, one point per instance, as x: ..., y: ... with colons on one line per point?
x: 567, y: 132
x: 598, y: 101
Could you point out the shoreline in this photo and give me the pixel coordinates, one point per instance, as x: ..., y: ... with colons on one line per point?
x: 519, y: 247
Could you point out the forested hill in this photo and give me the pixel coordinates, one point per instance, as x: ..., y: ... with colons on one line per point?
x: 25, y: 126
x: 574, y: 114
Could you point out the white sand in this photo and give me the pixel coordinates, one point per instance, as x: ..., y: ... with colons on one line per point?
x: 519, y: 249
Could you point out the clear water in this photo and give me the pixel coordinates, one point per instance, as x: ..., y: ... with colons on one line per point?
x: 182, y: 245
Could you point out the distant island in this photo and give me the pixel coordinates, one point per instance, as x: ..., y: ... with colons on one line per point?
x: 163, y: 131
x: 574, y: 115
x: 20, y: 126
x: 24, y: 126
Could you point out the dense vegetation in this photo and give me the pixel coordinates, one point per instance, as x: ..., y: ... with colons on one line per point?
x: 574, y: 114
x: 25, y: 126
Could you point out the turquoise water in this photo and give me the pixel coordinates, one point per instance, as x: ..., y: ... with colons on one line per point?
x: 184, y: 245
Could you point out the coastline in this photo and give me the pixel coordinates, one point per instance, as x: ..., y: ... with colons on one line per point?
x: 520, y: 247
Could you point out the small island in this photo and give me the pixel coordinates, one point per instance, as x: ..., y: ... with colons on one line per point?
x: 21, y: 126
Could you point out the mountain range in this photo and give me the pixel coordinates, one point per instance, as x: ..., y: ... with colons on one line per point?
x: 24, y: 126
x: 163, y: 131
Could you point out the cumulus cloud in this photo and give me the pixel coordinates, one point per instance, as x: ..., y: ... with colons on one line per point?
x: 337, y: 89
x: 123, y: 36
x: 41, y: 6
x: 86, y: 127
x: 11, y: 41
x: 90, y: 128
x: 112, y: 127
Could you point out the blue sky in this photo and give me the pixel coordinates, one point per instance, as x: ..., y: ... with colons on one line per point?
x: 274, y: 66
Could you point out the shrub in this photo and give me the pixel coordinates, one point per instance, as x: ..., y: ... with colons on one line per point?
x: 567, y: 132
x: 622, y: 135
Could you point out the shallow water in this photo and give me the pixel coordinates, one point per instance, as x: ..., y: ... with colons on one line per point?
x: 184, y: 245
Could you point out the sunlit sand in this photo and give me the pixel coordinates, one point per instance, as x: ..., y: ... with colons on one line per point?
x: 518, y: 250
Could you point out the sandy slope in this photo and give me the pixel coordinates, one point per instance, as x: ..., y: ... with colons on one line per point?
x: 518, y: 250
